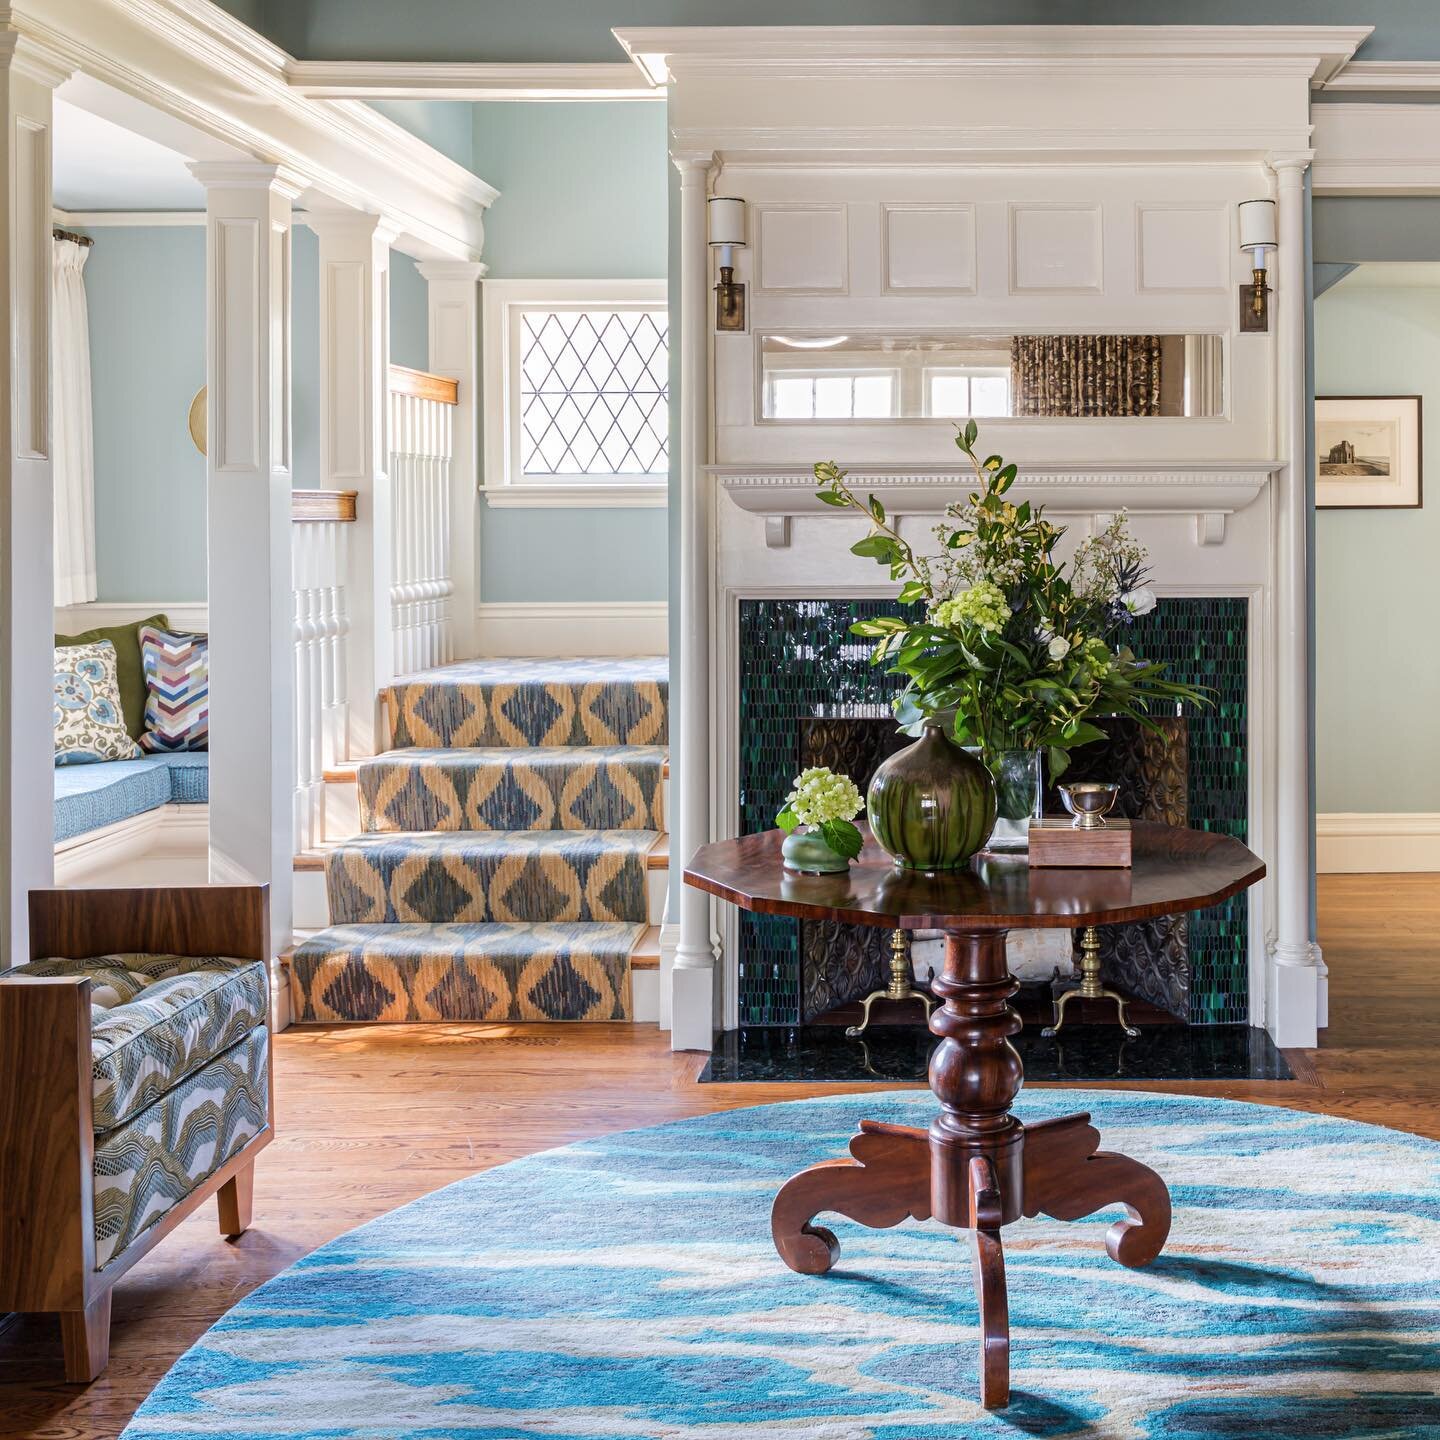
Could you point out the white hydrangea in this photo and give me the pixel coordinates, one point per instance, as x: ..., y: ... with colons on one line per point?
x: 820, y: 795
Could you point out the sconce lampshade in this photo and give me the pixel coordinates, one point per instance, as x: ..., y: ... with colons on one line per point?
x: 1257, y: 225
x: 727, y: 220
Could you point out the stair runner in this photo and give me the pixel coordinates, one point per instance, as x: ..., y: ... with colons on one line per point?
x: 501, y: 874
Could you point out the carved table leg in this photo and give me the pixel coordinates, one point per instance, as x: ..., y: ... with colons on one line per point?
x: 988, y: 1254
x: 1067, y: 1176
x: 887, y: 1181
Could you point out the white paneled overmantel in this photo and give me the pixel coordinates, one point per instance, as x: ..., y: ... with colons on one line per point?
x: 946, y: 188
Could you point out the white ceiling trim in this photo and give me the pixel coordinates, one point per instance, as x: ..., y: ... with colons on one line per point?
x: 1377, y: 150
x: 400, y: 80
x: 1317, y: 51
x: 103, y: 219
x: 188, y: 60
x: 1415, y: 76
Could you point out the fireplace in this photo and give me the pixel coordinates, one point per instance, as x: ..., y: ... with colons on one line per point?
x: 809, y: 696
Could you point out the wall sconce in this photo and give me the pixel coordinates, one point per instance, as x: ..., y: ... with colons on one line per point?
x: 727, y: 230
x: 1257, y: 235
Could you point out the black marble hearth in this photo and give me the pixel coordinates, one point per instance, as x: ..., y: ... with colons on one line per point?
x: 899, y: 1054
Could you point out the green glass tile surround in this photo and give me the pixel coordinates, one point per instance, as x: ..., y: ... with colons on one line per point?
x: 797, y: 659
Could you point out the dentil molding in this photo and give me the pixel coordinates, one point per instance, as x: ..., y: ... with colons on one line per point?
x: 1209, y: 491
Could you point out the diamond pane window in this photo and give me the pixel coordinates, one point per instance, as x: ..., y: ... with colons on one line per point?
x: 593, y: 392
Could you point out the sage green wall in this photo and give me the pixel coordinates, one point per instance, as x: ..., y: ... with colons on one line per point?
x: 539, y: 30
x: 1377, y: 585
x: 145, y: 287
x: 582, y: 194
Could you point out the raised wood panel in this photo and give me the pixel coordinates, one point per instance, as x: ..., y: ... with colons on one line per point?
x: 1056, y: 249
x: 928, y: 249
x: 423, y: 386
x: 320, y: 505
x: 802, y: 249
x: 1181, y: 249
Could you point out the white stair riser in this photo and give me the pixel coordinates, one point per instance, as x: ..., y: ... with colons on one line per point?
x: 342, y: 809
x: 645, y: 996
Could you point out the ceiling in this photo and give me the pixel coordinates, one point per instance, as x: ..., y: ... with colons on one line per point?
x: 102, y: 166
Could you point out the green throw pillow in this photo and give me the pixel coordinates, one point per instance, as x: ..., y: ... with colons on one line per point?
x: 129, y: 668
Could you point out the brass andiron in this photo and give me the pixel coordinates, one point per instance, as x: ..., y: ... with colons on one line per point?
x: 900, y: 988
x: 1090, y: 987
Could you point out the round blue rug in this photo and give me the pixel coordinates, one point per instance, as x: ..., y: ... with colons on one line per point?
x: 627, y: 1288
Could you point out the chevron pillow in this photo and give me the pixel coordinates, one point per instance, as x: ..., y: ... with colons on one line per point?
x: 177, y: 686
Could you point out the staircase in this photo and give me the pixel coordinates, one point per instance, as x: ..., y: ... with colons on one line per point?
x: 512, y: 855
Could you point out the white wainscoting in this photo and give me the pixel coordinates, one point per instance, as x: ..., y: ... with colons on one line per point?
x: 1355, y: 844
x: 578, y: 628
x: 190, y: 616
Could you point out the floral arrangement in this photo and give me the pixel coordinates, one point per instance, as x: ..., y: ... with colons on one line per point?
x: 828, y: 803
x: 1010, y: 652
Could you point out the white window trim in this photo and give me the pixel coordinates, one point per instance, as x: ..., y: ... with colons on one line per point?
x: 496, y: 485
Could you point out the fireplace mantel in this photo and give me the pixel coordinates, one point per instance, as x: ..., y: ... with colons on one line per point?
x: 1208, y: 490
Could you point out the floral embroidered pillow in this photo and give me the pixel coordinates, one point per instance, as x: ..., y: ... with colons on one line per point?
x: 177, y: 686
x: 89, y: 723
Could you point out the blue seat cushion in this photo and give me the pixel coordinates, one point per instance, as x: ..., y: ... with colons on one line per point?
x: 88, y: 797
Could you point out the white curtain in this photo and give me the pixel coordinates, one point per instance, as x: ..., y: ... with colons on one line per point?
x: 73, y: 445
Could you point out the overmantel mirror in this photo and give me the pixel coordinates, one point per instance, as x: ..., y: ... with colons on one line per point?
x: 829, y: 376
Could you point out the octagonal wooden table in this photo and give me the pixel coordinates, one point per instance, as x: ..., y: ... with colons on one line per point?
x: 978, y: 1167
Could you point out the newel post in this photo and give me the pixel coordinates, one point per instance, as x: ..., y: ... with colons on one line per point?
x: 249, y: 479
x: 28, y: 77
x: 694, y: 1008
x: 454, y: 313
x: 1295, y: 1003
x: 355, y: 445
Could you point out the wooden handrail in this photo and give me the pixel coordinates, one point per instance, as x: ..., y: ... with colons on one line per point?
x: 423, y: 386
x: 317, y: 505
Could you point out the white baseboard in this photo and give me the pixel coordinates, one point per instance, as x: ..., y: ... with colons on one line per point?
x: 187, y: 615
x: 579, y: 628
x: 167, y: 845
x: 1377, y: 844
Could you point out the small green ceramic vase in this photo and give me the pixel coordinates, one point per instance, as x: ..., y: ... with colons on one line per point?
x: 931, y: 806
x: 806, y: 851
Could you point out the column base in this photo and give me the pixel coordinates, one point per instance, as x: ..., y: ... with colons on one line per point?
x: 693, y: 1011
x: 1296, y: 1001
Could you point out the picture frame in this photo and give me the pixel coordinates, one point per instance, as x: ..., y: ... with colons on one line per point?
x: 1368, y: 452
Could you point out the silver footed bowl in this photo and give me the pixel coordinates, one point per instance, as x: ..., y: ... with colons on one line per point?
x: 1089, y: 801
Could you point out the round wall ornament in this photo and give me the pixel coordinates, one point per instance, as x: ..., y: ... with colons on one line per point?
x: 196, y: 419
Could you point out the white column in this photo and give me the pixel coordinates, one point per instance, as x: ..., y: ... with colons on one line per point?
x: 28, y: 77
x: 694, y: 1012
x: 355, y: 445
x: 252, y: 680
x: 1294, y: 1002
x: 454, y: 309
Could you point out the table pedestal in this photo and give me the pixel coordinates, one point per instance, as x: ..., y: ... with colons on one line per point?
x: 977, y: 1167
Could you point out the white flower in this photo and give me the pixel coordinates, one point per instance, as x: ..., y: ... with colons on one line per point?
x: 1058, y: 648
x: 821, y: 795
x: 1139, y: 602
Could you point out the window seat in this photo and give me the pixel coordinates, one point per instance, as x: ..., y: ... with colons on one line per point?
x: 89, y: 797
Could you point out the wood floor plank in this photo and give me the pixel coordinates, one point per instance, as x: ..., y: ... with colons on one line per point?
x: 372, y: 1117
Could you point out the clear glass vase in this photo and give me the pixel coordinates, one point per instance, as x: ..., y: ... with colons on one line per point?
x: 1019, y: 777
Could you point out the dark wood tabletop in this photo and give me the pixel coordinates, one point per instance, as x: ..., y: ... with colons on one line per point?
x: 1174, y: 870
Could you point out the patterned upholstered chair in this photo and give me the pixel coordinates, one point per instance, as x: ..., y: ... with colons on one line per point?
x: 134, y: 1084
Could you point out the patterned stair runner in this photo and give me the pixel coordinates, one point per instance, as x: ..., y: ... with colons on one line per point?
x: 502, y: 874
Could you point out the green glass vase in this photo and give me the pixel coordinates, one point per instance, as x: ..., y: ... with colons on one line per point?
x: 931, y: 806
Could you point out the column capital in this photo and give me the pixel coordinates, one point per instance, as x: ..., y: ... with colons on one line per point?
x: 249, y: 175
x: 694, y: 165
x: 24, y: 55
x: 441, y: 271
x: 352, y: 224
x: 1289, y: 162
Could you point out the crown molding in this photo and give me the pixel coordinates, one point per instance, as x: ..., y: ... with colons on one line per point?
x: 463, y: 80
x: 1375, y: 76
x: 193, y: 63
x: 1376, y: 150
x: 1316, y: 51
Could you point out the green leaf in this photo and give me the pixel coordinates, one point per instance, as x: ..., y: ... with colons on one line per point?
x: 842, y: 837
x: 881, y: 625
x: 911, y: 593
x: 877, y: 510
x: 1006, y: 478
x: 1059, y: 762
x: 833, y: 497
x: 960, y: 539
x: 972, y: 433
x: 994, y: 462
x: 787, y: 820
x: 876, y: 547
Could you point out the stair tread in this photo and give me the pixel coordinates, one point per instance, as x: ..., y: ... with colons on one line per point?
x: 501, y: 842
x: 347, y: 772
x: 646, y: 954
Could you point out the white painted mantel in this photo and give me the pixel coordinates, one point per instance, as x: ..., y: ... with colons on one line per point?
x: 998, y: 180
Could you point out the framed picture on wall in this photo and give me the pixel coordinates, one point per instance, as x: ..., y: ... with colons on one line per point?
x: 1367, y: 450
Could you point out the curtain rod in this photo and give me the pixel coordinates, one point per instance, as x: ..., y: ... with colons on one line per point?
x: 58, y: 234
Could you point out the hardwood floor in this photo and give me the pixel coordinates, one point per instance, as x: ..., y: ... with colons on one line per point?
x: 371, y: 1117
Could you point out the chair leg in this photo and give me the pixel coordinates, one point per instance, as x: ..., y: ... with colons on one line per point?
x: 236, y: 1199
x: 86, y: 1336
